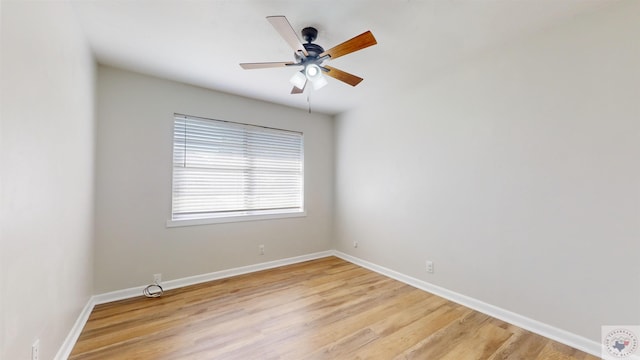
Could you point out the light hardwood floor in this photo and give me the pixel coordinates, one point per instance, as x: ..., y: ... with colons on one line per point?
x: 321, y: 309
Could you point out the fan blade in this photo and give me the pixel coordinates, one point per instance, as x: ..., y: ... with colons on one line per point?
x: 264, y: 65
x: 343, y: 76
x: 359, y: 42
x: 282, y: 26
x: 297, y: 90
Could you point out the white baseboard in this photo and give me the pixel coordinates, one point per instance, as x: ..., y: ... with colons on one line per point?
x: 216, y: 275
x: 548, y: 331
x: 74, y: 334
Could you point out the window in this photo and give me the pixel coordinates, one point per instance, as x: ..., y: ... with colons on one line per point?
x: 223, y: 169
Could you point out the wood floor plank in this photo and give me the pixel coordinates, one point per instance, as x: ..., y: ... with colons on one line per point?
x: 452, y: 333
x: 557, y: 351
x: 521, y: 345
x: 321, y: 309
x: 480, y: 345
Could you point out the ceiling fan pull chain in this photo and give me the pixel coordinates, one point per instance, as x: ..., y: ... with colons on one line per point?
x: 309, y: 102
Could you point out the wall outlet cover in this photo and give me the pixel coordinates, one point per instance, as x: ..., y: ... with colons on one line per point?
x: 429, y: 266
x: 35, y: 350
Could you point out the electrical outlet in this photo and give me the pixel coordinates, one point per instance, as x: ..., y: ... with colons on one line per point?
x: 429, y: 266
x: 35, y: 350
x: 157, y: 278
x: 261, y: 249
x: 355, y: 244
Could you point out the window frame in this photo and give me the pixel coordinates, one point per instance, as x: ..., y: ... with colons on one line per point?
x: 235, y: 215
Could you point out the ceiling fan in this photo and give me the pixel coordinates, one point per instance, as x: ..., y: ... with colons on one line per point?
x: 312, y: 56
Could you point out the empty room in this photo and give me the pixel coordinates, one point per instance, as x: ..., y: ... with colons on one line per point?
x: 280, y: 179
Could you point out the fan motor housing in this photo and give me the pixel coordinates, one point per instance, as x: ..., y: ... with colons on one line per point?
x: 314, y: 52
x: 313, y: 49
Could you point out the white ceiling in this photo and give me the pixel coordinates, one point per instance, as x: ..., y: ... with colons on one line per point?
x: 201, y: 42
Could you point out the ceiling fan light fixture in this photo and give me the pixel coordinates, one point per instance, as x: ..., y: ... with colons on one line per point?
x: 312, y: 71
x: 298, y: 80
x: 319, y: 82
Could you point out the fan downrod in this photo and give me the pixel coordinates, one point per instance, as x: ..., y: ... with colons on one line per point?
x: 309, y: 34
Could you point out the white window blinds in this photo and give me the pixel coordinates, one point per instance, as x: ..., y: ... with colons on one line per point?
x: 222, y: 169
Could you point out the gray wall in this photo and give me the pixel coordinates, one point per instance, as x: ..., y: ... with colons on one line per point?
x: 46, y: 171
x: 133, y: 190
x: 517, y: 174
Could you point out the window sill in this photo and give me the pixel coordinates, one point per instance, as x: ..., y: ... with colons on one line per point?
x: 231, y: 219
